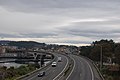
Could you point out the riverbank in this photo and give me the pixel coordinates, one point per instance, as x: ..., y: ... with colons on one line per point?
x: 12, y: 72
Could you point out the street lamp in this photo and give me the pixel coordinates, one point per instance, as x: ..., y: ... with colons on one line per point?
x: 101, y: 54
x: 101, y: 58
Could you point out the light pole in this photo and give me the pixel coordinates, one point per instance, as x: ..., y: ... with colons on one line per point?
x: 101, y: 54
x: 101, y: 58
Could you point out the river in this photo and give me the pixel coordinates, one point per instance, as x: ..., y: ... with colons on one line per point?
x: 9, y: 64
x: 15, y: 64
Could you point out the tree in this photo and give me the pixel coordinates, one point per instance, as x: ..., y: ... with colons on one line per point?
x: 85, y: 51
x: 117, y: 54
x: 95, y: 53
x: 107, y: 49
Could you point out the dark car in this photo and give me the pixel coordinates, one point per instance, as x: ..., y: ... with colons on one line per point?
x: 42, y: 73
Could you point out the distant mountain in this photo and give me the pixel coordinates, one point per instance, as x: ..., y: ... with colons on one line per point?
x: 24, y: 44
x: 4, y: 42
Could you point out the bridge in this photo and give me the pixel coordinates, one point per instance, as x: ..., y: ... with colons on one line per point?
x: 23, y: 60
x: 26, y: 57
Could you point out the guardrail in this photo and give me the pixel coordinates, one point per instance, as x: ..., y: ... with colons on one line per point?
x: 26, y: 75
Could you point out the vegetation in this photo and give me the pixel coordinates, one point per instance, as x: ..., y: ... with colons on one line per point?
x: 22, y: 44
x: 110, y: 54
x: 25, y: 44
x: 11, y: 73
x: 108, y: 48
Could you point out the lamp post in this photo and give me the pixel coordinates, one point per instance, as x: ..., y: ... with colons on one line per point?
x: 101, y: 58
x: 101, y: 54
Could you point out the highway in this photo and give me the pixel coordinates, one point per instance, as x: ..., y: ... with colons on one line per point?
x: 83, y: 70
x: 51, y: 72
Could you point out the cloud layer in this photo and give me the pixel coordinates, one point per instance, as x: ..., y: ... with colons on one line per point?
x: 60, y: 21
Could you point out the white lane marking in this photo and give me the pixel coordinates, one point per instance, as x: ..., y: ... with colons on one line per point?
x: 81, y: 64
x: 62, y: 70
x: 60, y: 77
x: 72, y: 69
x: 47, y: 69
x: 80, y: 74
x: 90, y: 69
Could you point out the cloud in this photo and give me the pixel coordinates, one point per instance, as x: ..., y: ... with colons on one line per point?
x: 95, y: 28
x: 39, y: 35
x: 60, y: 21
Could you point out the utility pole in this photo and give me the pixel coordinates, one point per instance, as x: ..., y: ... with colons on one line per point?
x: 101, y: 58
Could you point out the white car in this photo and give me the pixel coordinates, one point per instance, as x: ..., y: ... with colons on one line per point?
x: 54, y: 64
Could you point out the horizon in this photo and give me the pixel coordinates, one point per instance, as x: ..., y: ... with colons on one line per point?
x: 78, y: 45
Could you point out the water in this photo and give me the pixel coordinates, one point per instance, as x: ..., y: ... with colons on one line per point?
x: 15, y: 64
x: 10, y: 64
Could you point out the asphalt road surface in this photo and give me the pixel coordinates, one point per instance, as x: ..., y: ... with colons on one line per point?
x: 83, y: 70
x: 51, y: 72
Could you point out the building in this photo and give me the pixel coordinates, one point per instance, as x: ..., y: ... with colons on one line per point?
x: 2, y: 49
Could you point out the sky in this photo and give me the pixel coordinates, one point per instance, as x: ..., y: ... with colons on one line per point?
x: 72, y: 22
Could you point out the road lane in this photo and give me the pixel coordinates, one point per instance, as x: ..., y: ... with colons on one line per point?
x: 83, y: 70
x: 51, y: 72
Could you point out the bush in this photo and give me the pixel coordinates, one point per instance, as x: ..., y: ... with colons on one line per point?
x: 11, y: 73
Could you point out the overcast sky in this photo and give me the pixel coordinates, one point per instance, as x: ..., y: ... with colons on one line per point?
x: 77, y: 22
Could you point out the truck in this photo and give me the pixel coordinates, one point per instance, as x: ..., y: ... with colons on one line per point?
x: 59, y: 59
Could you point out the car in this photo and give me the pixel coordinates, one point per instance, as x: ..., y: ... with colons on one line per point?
x: 42, y: 73
x: 54, y: 64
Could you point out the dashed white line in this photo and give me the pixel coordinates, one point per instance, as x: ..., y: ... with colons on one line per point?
x: 80, y: 72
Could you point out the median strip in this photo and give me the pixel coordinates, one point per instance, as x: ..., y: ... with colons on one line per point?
x: 65, y: 73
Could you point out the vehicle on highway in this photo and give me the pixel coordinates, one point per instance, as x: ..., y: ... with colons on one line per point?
x: 54, y: 64
x: 59, y: 59
x: 42, y: 73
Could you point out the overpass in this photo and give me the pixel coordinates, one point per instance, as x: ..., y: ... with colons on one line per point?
x: 23, y: 60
